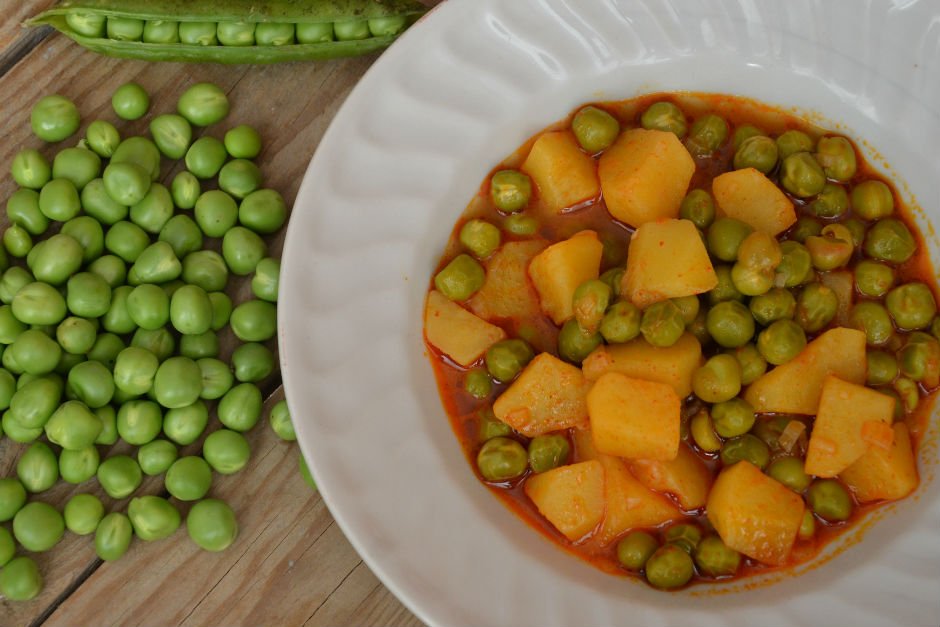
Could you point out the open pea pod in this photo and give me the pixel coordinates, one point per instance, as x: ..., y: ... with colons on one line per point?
x: 232, y: 31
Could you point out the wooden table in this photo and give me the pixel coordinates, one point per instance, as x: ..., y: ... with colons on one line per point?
x: 291, y: 564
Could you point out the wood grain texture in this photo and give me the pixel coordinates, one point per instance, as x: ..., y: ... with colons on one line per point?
x: 291, y: 564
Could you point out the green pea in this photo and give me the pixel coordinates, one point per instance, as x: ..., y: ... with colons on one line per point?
x: 30, y: 169
x: 872, y: 318
x: 882, y: 368
x: 20, y: 579
x: 125, y: 29
x: 211, y: 525
x: 477, y: 383
x: 240, y: 177
x: 102, y: 138
x: 873, y: 278
x: 750, y: 280
x: 743, y: 133
x: 139, y: 421
x: 205, y: 157
x: 684, y: 535
x: 837, y: 158
x: 669, y: 567
x: 126, y: 183
x: 662, y: 324
x: 351, y: 30
x: 79, y: 465
x: 203, y: 103
x: 99, y: 205
x: 243, y: 142
x: 153, y: 517
x: 117, y: 319
x: 156, y: 457
x: 254, y: 321
x: 872, y: 200
x: 154, y: 209
x: 216, y: 376
x: 776, y: 304
x: 807, y: 526
x: 781, y: 342
x: 908, y: 394
x: 88, y: 233
x: 38, y: 527
x: 919, y: 359
x: 82, y: 513
x: 182, y: 234
x: 832, y: 249
x: 911, y: 305
x: 113, y: 536
x: 733, y: 417
x: 242, y: 249
x: 140, y: 151
x: 215, y: 213
x: 889, y: 240
x: 707, y: 134
x: 88, y: 295
x: 252, y: 362
x: 200, y: 345
x: 265, y: 282
x: 161, y: 32
x: 240, y: 407
x: 621, y: 323
x: 789, y: 471
x: 17, y: 432
x: 91, y: 383
x: 758, y: 152
x: 281, y: 422
x: 263, y: 211
x: 221, y: 309
x: 236, y: 33
x: 35, y: 352
x: 792, y: 142
x: 816, y: 307
x: 730, y: 324
x: 698, y: 207
x: 491, y: 427
x: 829, y: 500
x: 796, y: 265
x: 387, y: 26
x: 502, y: 459
x: 635, y: 548
x: 134, y: 370
x: 199, y: 34
x: 172, y: 134
x: 590, y: 301
x: 510, y: 190
x: 718, y: 380
x: 106, y: 349
x: 185, y: 190
x: 130, y: 101
x: 505, y: 359
x: 521, y: 225
x: 59, y: 200
x: 805, y: 227
x: 548, y: 451
x: 832, y: 202
x: 23, y: 211
x: 725, y: 289
x: 746, y: 447
x: 480, y: 237
x: 189, y: 478
x: 184, y: 425
x: 54, y: 118
x: 148, y: 306
x: 207, y: 269
x: 715, y: 559
x: 595, y: 129
x: 801, y: 175
x: 10, y: 327
x: 37, y: 468
x: 33, y: 403
x: 119, y: 476
x: 178, y: 382
x: 665, y: 116
x: 725, y: 236
x: 226, y: 451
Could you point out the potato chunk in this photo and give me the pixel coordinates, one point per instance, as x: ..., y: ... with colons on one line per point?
x: 634, y: 418
x: 548, y: 395
x: 686, y: 477
x: 507, y: 291
x: 884, y: 474
x: 754, y: 514
x: 570, y: 497
x: 795, y: 387
x: 559, y: 269
x: 836, y: 441
x: 630, y: 504
x: 644, y: 176
x: 666, y: 259
x: 753, y: 198
x: 456, y: 332
x: 565, y: 176
x: 640, y: 359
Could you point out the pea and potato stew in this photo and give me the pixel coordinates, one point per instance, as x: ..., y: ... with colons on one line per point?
x: 688, y: 337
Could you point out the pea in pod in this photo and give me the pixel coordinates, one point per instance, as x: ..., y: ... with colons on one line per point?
x: 344, y: 28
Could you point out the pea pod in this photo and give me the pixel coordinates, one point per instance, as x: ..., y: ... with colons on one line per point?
x: 353, y: 27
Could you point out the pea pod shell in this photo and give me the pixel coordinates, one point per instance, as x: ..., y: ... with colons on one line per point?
x: 293, y: 11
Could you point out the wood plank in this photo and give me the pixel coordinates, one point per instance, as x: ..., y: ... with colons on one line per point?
x: 287, y: 534
x: 15, y: 39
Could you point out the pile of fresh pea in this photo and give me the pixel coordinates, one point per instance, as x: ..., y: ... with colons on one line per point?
x: 773, y: 296
x: 113, y: 305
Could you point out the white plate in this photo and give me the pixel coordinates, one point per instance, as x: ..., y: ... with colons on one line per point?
x: 398, y: 165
